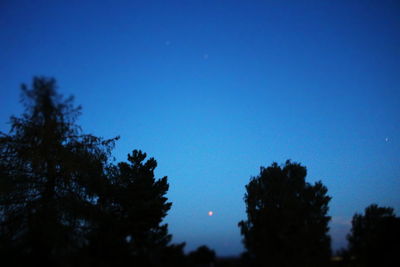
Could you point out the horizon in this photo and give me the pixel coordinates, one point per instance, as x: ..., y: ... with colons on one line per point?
x: 214, y: 90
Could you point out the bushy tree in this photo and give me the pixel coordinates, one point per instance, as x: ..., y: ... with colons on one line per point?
x: 374, y: 239
x: 287, y: 222
x: 48, y: 172
x: 202, y: 256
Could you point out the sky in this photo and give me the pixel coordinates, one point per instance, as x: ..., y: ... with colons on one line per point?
x: 215, y: 89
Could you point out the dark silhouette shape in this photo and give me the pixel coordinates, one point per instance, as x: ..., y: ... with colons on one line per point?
x: 202, y: 256
x: 63, y: 203
x: 342, y: 258
x: 133, y: 204
x: 47, y: 169
x: 287, y: 222
x: 374, y: 239
x: 173, y: 255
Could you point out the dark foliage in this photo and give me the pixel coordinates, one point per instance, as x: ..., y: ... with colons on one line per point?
x: 48, y: 170
x: 202, y: 256
x: 287, y: 222
x: 132, y: 204
x: 374, y: 239
x: 62, y: 203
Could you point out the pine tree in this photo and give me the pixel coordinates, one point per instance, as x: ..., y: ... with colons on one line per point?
x: 49, y: 173
x: 133, y: 205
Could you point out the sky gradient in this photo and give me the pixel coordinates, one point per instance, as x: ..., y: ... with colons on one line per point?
x: 215, y: 89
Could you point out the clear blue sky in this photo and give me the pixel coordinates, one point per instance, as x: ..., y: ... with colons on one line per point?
x: 215, y: 89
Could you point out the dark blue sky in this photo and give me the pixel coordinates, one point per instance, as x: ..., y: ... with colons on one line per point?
x: 215, y: 89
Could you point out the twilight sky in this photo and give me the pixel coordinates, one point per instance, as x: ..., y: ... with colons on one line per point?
x: 215, y: 89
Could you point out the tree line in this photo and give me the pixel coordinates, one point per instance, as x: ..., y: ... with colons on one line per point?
x: 64, y: 202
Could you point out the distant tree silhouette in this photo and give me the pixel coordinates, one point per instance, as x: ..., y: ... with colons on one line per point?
x: 48, y: 168
x: 202, y: 256
x: 287, y: 222
x: 374, y: 239
x: 173, y: 255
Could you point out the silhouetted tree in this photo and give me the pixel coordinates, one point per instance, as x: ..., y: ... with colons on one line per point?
x: 202, y: 256
x: 49, y: 171
x: 173, y: 255
x: 287, y: 222
x: 374, y: 239
x: 133, y: 206
x: 63, y: 203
